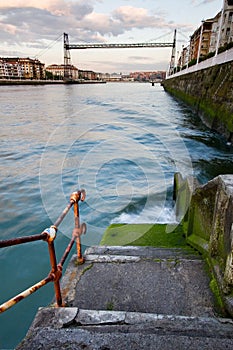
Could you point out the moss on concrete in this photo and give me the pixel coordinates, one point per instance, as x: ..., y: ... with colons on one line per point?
x: 205, y: 212
x: 155, y: 235
x: 187, y: 98
x: 208, y: 228
x: 209, y: 93
x: 199, y: 243
x: 220, y: 309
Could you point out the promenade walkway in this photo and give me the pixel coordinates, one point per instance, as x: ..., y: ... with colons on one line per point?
x: 224, y: 57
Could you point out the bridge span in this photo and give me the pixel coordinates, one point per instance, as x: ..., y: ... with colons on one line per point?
x: 68, y: 47
x: 117, y: 46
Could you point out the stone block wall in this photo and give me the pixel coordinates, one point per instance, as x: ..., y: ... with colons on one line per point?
x: 210, y: 93
x: 208, y: 225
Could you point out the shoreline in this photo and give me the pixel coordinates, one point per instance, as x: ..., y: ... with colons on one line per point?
x: 7, y: 82
x: 46, y: 82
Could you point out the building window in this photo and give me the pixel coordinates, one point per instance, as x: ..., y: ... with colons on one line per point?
x: 230, y: 17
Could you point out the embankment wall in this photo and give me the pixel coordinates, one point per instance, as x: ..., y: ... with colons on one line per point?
x: 208, y: 226
x: 210, y: 93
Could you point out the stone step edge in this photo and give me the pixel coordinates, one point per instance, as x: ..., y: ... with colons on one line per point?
x: 74, y: 317
x: 146, y: 252
x: 92, y: 258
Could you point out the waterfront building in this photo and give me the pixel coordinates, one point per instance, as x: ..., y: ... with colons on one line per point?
x: 105, y: 76
x: 222, y: 29
x: 58, y: 71
x: 226, y: 36
x: 200, y: 40
x: 184, y: 57
x: 21, y: 68
x: 148, y: 76
x: 215, y: 32
x: 88, y: 75
x: 10, y: 68
x: 211, y: 35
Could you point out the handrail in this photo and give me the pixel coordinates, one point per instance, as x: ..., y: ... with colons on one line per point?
x: 221, y: 58
x: 49, y: 235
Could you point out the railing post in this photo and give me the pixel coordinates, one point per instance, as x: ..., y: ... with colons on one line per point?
x: 78, y: 230
x: 49, y: 236
x: 55, y: 272
x: 80, y: 258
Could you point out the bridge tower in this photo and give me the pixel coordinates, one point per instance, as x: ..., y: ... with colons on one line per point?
x: 67, y: 60
x: 172, y: 62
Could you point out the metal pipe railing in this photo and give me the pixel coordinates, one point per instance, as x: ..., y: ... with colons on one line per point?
x: 21, y: 240
x: 49, y: 236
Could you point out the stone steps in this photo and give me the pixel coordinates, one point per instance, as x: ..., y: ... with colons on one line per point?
x: 133, y: 298
x: 140, y: 279
x: 71, y: 328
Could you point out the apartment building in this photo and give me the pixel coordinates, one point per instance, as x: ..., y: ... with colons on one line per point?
x: 223, y: 19
x: 21, y: 68
x: 184, y: 57
x: 215, y: 32
x: 200, y: 40
x: 212, y: 33
x: 58, y: 71
x: 226, y: 36
x: 87, y: 75
x: 10, y: 68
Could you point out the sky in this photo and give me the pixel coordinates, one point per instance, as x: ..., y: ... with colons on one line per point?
x: 34, y: 28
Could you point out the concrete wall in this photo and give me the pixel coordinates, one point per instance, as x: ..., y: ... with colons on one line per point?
x: 210, y: 93
x: 208, y: 225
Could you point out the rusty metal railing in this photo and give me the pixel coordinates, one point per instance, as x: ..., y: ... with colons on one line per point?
x: 49, y: 236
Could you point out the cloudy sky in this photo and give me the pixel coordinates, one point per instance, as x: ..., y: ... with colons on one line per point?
x: 34, y: 28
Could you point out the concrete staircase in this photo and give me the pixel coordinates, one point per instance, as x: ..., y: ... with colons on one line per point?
x: 126, y: 298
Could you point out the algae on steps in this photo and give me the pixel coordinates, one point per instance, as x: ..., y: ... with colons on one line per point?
x: 154, y: 235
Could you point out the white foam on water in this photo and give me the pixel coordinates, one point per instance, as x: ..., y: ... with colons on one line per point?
x: 150, y: 215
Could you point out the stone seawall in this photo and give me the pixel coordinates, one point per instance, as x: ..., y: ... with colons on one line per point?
x: 210, y: 93
x: 208, y: 226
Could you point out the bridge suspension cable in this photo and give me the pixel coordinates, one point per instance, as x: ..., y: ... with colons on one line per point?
x: 162, y: 36
x: 43, y: 51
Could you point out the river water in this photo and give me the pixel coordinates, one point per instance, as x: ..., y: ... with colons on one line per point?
x: 121, y: 142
